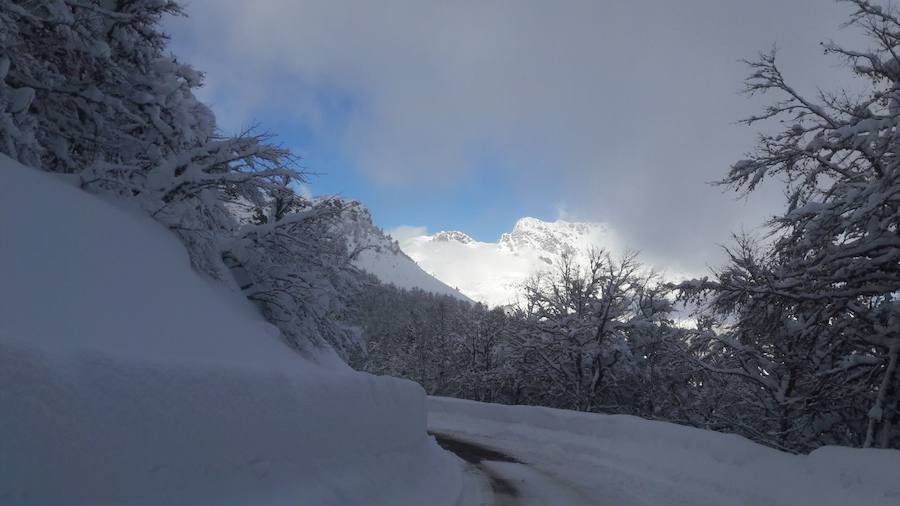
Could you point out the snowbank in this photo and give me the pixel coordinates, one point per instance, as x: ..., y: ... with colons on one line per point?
x: 129, y: 379
x: 626, y: 460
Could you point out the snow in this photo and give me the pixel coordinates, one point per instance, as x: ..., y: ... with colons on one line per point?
x: 379, y: 254
x: 401, y: 271
x: 492, y: 272
x: 129, y: 379
x: 572, y: 458
x: 19, y: 100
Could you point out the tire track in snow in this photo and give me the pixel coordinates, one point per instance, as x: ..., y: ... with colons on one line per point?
x: 504, y: 491
x: 513, y: 482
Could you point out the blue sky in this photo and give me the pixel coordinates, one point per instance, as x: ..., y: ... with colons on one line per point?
x: 484, y: 198
x: 484, y: 202
x: 469, y: 115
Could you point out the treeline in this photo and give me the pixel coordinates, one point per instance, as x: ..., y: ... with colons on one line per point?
x: 447, y: 345
x: 610, y: 337
x: 597, y: 337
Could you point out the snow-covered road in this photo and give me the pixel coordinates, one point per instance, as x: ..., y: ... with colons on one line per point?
x: 526, y: 455
x: 540, y: 472
x: 502, y: 479
x: 533, y: 467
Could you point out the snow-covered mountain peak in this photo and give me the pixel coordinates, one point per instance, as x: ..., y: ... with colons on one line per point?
x: 452, y: 235
x: 492, y: 272
x: 553, y: 237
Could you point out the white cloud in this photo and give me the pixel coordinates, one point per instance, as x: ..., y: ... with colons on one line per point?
x: 628, y: 106
x: 304, y: 190
x: 404, y: 233
x: 563, y: 212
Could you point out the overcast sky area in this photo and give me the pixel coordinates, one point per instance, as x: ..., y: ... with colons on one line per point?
x: 469, y: 115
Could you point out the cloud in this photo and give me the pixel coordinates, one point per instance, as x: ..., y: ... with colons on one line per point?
x: 404, y: 232
x: 563, y: 213
x: 304, y: 190
x: 627, y: 108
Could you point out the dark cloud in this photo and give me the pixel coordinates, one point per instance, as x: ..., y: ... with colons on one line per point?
x: 631, y: 104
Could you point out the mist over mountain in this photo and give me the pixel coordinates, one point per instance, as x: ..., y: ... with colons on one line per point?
x: 491, y: 272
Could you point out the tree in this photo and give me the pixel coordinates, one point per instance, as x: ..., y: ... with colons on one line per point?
x: 287, y: 261
x: 814, y: 319
x: 417, y: 335
x: 90, y: 91
x: 86, y: 89
x: 486, y: 372
x: 585, y: 327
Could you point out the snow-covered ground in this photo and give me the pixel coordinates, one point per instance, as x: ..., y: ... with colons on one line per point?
x: 571, y: 458
x: 128, y: 379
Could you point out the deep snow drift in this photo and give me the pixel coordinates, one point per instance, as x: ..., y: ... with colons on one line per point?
x: 129, y: 379
x: 571, y: 458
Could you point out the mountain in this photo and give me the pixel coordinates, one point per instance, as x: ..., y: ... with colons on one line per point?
x: 380, y: 255
x: 555, y: 238
x: 491, y: 272
x: 373, y: 250
x: 452, y: 235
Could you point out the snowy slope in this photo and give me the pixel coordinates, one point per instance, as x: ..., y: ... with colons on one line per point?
x: 403, y: 272
x: 374, y: 251
x: 380, y: 255
x: 491, y: 272
x: 571, y: 458
x: 129, y: 379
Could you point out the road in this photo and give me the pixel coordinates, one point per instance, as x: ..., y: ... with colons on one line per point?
x: 506, y: 480
x: 528, y: 455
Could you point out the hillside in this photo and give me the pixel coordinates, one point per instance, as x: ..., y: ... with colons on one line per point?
x: 130, y: 379
x: 380, y: 255
x: 373, y: 251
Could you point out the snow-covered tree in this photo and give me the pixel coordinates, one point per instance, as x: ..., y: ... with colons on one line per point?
x: 87, y: 89
x: 288, y: 261
x: 812, y: 322
x: 414, y: 334
x: 590, y: 330
x: 487, y: 370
